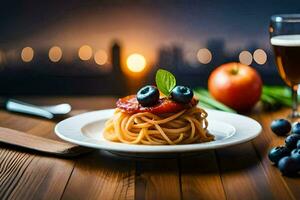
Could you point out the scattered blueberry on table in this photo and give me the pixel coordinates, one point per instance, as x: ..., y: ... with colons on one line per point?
x: 287, y: 157
x: 292, y: 140
x: 281, y: 127
x: 288, y: 166
x: 298, y: 145
x: 295, y: 154
x: 276, y: 153
x: 296, y: 128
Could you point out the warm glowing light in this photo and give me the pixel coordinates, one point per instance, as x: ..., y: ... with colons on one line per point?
x: 204, y: 56
x: 55, y: 54
x: 260, y: 56
x: 136, y: 62
x: 85, y: 52
x: 27, y: 54
x: 245, y: 57
x: 100, y: 57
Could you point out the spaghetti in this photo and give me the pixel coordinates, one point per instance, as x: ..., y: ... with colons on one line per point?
x: 183, y: 127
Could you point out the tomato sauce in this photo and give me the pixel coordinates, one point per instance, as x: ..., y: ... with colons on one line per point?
x: 130, y: 105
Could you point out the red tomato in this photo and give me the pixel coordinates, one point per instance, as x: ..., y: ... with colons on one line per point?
x: 236, y: 85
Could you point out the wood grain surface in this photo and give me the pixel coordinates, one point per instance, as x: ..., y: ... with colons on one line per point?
x: 158, y: 179
x: 238, y: 172
x: 200, y: 177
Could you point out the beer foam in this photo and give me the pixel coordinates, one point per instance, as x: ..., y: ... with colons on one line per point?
x: 286, y: 40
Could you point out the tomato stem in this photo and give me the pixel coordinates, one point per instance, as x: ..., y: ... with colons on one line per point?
x: 234, y: 70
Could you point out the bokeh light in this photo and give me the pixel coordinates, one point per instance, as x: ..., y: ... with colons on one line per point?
x: 55, y: 53
x: 136, y: 62
x: 204, y: 56
x: 245, y: 57
x: 27, y: 54
x: 85, y: 52
x: 100, y: 57
x: 260, y: 56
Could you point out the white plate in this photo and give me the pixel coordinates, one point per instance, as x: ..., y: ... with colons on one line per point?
x: 86, y: 130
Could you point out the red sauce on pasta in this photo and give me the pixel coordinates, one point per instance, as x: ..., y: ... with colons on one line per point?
x: 130, y: 105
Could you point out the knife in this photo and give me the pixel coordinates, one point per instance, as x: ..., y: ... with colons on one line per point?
x: 40, y: 144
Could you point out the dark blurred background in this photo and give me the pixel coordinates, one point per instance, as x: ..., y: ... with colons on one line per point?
x: 113, y: 47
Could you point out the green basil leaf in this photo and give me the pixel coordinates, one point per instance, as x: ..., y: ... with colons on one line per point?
x: 165, y: 81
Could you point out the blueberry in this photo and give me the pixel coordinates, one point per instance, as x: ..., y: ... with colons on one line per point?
x: 182, y: 94
x: 277, y: 153
x: 296, y: 128
x: 298, y: 144
x: 148, y: 96
x: 291, y: 141
x: 288, y: 166
x: 281, y: 127
x: 295, y: 154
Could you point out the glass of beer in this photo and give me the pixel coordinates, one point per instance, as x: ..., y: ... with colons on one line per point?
x: 285, y: 38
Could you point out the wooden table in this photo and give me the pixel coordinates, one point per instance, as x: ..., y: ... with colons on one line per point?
x: 239, y: 172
